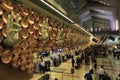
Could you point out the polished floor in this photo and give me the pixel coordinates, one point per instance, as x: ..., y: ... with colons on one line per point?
x: 111, y: 66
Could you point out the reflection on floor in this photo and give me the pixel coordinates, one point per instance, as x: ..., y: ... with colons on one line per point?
x: 63, y: 72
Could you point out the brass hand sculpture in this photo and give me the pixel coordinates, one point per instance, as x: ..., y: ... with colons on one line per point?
x: 59, y: 36
x: 68, y: 35
x: 13, y: 31
x: 45, y: 29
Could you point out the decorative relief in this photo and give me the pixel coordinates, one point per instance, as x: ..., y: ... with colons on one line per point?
x: 68, y: 35
x: 45, y: 33
x: 6, y: 56
x: 34, y: 33
x: 59, y: 36
x: 16, y: 61
x: 7, y: 5
x: 13, y: 31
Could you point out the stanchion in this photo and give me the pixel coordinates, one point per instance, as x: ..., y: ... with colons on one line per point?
x: 72, y: 72
x: 72, y: 76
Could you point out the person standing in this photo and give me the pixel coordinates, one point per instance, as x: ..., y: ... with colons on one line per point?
x: 73, y: 61
x: 95, y: 65
x: 43, y: 66
x: 78, y: 62
x: 101, y: 73
x: 88, y: 76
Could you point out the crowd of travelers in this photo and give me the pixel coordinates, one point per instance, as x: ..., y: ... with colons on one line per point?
x: 89, y: 55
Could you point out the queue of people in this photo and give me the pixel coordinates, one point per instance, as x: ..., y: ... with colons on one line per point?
x: 89, y: 56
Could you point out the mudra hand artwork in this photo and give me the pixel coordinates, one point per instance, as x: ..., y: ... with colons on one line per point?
x: 13, y: 31
x: 59, y: 36
x: 68, y: 35
x: 45, y: 29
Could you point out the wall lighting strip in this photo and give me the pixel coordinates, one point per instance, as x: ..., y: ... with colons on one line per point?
x: 57, y: 11
x: 83, y: 29
x: 103, y: 3
x: 64, y: 16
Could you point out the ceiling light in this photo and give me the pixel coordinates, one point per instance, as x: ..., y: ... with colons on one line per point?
x: 57, y: 11
x: 103, y: 2
x: 64, y: 16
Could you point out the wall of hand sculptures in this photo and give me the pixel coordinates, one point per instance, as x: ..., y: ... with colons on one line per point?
x: 24, y: 31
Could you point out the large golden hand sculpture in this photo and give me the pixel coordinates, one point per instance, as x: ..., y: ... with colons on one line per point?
x: 59, y: 36
x: 68, y: 35
x: 45, y: 29
x: 13, y: 31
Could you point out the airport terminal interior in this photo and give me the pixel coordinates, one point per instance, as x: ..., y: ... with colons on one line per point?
x: 59, y: 40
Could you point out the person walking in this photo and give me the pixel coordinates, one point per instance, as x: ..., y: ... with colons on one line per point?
x: 88, y: 76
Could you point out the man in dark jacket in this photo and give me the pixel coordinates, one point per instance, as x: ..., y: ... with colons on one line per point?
x: 88, y: 76
x: 73, y: 61
x: 78, y: 62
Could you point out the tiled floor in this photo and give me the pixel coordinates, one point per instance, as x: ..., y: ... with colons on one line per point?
x: 111, y: 66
